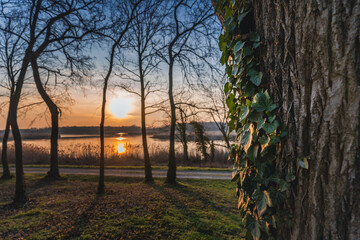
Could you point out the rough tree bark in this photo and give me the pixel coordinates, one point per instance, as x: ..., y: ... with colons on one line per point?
x: 311, y: 61
x: 53, y: 174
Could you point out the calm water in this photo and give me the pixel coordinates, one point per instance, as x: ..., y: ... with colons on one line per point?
x: 120, y: 143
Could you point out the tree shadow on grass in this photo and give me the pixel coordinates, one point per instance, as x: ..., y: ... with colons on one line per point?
x: 83, y: 220
x: 195, y: 220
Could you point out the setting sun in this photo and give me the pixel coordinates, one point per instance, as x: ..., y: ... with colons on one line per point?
x: 120, y: 107
x: 121, y: 148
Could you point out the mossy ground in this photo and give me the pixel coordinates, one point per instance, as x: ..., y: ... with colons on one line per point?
x: 130, y: 209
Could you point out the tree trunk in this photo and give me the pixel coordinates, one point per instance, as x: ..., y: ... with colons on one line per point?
x: 311, y: 61
x: 6, y: 171
x: 171, y: 174
x: 101, y: 186
x: 20, y: 193
x: 148, y: 171
x: 53, y: 174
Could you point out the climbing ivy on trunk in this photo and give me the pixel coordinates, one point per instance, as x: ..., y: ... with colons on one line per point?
x: 252, y: 115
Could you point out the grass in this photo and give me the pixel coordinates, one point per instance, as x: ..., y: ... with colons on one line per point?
x: 180, y: 168
x: 131, y: 209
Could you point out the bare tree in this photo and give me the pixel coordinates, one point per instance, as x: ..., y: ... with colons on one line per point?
x: 10, y: 46
x: 122, y: 16
x: 190, y: 20
x: 216, y: 104
x: 142, y: 39
x: 42, y: 20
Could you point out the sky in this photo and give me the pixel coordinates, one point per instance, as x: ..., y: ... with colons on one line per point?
x: 122, y: 109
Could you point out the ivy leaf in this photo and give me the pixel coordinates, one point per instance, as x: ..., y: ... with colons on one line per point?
x: 228, y: 21
x: 254, y: 37
x: 247, y: 51
x: 270, y: 127
x: 264, y: 141
x: 252, y: 153
x: 284, y: 186
x: 255, y: 76
x: 290, y: 177
x: 245, y: 112
x: 277, y: 197
x: 226, y: 87
x: 235, y: 176
x: 242, y: 16
x: 238, y: 46
x: 258, y: 118
x: 246, y: 137
x: 272, y: 118
x: 263, y: 200
x: 303, y: 163
x: 274, y: 178
x: 255, y: 231
x: 230, y: 101
x: 235, y: 70
x: 256, y: 45
x: 261, y: 102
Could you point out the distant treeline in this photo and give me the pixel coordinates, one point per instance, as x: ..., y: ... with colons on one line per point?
x: 44, y: 133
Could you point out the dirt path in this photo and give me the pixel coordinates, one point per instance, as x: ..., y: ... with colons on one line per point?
x: 136, y: 173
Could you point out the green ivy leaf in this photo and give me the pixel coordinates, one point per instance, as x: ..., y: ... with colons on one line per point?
x: 277, y: 197
x: 264, y: 141
x: 303, y: 162
x: 256, y: 45
x: 290, y: 177
x: 261, y: 102
x: 272, y: 118
x: 230, y: 101
x: 226, y: 87
x: 235, y: 70
x: 235, y: 176
x: 284, y: 186
x: 246, y: 137
x: 270, y: 127
x: 253, y: 152
x: 247, y: 51
x: 255, y: 231
x: 245, y: 112
x: 254, y: 37
x: 255, y: 76
x: 242, y: 16
x: 238, y: 46
x: 262, y: 200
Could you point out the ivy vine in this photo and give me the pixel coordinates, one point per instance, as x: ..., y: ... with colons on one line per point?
x: 252, y: 115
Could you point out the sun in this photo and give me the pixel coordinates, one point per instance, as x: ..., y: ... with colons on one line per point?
x: 120, y: 107
x: 121, y: 148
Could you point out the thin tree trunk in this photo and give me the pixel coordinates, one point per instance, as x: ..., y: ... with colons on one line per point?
x: 148, y: 171
x: 53, y: 174
x: 186, y: 152
x: 6, y: 171
x: 101, y: 186
x: 171, y: 174
x: 311, y: 62
x: 20, y: 193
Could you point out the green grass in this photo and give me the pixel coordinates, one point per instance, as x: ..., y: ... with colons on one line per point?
x: 130, y: 209
x: 130, y: 167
